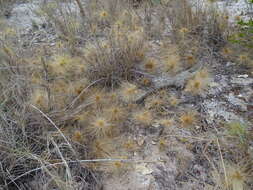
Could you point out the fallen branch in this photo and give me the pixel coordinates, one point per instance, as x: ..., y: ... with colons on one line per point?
x: 177, y: 81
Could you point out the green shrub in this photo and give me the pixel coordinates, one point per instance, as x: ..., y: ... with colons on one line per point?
x: 238, y: 129
x: 244, y: 36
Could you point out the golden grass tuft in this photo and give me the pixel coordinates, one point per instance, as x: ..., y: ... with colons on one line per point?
x: 144, y: 117
x: 199, y: 83
x: 99, y: 127
x: 154, y: 102
x: 78, y: 136
x: 167, y: 123
x: 39, y: 98
x: 102, y: 148
x: 128, y: 92
x: 237, y: 176
x: 129, y: 145
x: 174, y: 101
x: 116, y: 113
x: 190, y: 60
x: 172, y: 64
x: 243, y: 58
x: 125, y: 49
x: 188, y: 119
x: 150, y: 65
x: 60, y: 64
x: 162, y: 144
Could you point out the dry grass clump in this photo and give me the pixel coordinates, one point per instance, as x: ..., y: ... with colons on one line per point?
x: 150, y: 65
x: 199, y: 82
x: 154, y: 102
x: 194, y: 27
x: 66, y: 107
x: 128, y: 92
x: 188, y: 119
x: 172, y: 64
x: 166, y: 122
x: 100, y: 127
x: 115, y: 59
x: 236, y: 177
x: 116, y: 113
x: 39, y: 98
x: 174, y: 101
x: 144, y: 117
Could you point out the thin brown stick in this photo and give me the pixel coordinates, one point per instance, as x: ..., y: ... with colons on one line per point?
x: 54, y: 126
x: 223, y: 164
x: 74, y: 101
x: 84, y: 161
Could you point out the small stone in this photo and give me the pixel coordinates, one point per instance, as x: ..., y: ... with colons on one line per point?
x: 153, y: 143
x: 243, y: 76
x: 140, y: 141
x: 141, y: 168
x: 197, y: 127
x: 242, y: 81
x: 230, y: 64
x: 214, y: 84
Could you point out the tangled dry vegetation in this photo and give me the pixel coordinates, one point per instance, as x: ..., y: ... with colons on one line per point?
x: 70, y: 113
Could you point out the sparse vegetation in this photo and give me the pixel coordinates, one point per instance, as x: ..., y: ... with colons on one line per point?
x: 123, y: 86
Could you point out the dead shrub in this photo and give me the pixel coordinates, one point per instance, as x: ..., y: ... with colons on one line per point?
x: 198, y: 21
x: 114, y: 59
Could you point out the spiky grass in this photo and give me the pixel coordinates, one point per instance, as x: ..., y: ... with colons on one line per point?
x: 154, y: 102
x: 116, y: 113
x: 99, y: 127
x: 39, y: 98
x: 102, y: 148
x: 167, y: 123
x: 199, y: 83
x: 143, y: 116
x: 238, y: 175
x: 115, y: 65
x: 128, y: 92
x: 172, y: 64
x: 150, y: 65
x: 188, y: 119
x: 60, y: 64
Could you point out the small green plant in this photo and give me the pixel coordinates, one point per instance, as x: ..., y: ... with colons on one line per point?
x: 244, y: 36
x: 238, y: 129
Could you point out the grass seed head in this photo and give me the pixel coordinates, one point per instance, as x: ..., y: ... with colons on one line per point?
x: 145, y: 81
x: 61, y: 64
x: 238, y: 175
x: 162, y: 143
x: 116, y: 113
x: 144, y: 117
x: 199, y: 82
x: 184, y: 30
x: 78, y: 136
x: 174, y: 101
x: 39, y: 98
x: 172, y: 64
x: 167, y: 123
x: 190, y: 60
x: 102, y: 148
x: 188, y: 119
x: 150, y: 65
x: 103, y: 14
x: 130, y: 145
x: 154, y: 102
x: 128, y: 92
x: 100, y: 127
